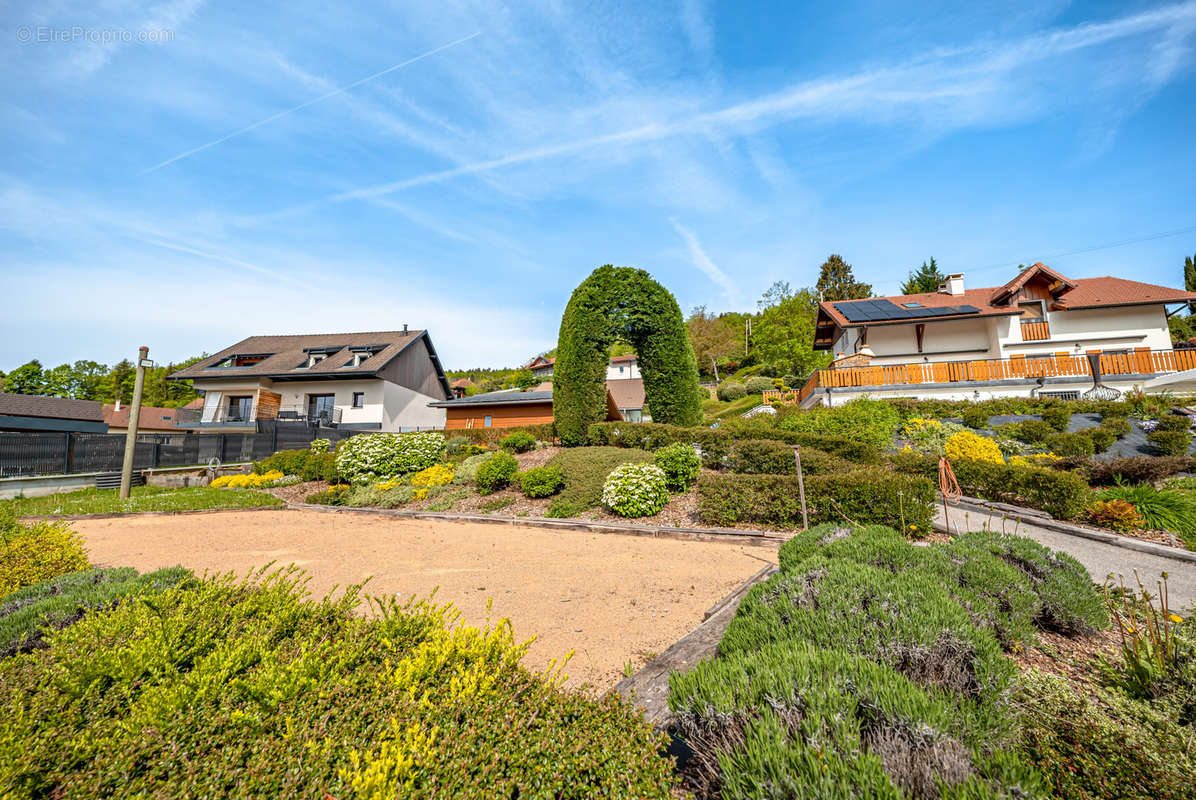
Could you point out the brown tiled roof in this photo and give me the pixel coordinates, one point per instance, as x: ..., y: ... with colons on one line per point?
x: 287, y: 354
x: 1109, y: 291
x: 32, y: 405
x: 462, y: 383
x: 621, y: 359
x: 970, y: 297
x: 1025, y: 275
x: 152, y: 418
x: 628, y: 392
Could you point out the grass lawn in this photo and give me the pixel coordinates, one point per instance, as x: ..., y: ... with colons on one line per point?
x: 717, y: 409
x: 144, y: 498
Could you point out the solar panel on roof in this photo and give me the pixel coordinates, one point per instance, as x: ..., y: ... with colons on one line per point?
x: 886, y: 310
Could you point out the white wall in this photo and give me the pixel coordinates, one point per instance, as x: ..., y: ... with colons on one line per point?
x: 1123, y: 328
x: 957, y: 340
x: 931, y: 392
x: 406, y: 408
x: 630, y: 370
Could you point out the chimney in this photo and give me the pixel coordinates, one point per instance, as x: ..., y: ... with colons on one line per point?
x: 953, y: 285
x: 404, y: 328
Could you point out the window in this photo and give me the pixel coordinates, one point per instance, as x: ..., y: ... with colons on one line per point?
x: 487, y: 423
x: 620, y: 370
x: 320, y: 407
x: 912, y: 305
x: 1033, y: 310
x: 240, y: 409
x: 359, y: 399
x: 241, y: 361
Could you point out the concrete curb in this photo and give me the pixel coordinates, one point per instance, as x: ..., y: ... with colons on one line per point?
x: 757, y: 538
x: 121, y: 515
x: 1037, y: 518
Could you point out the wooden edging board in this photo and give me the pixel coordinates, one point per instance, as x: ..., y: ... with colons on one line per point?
x: 649, y: 688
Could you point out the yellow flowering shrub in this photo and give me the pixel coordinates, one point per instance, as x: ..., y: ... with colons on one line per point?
x: 250, y: 481
x: 915, y: 425
x: 1033, y: 460
x: 439, y: 475
x: 968, y: 446
x: 36, y: 552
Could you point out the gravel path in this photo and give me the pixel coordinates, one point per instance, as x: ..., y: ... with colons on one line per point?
x: 611, y: 599
x: 1100, y: 558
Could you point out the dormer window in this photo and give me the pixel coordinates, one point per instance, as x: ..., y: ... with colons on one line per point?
x: 241, y: 360
x: 315, y: 358
x: 316, y: 354
x: 362, y: 353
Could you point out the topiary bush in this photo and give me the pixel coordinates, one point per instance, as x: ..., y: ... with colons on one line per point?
x: 495, y: 472
x: 370, y: 456
x: 731, y: 390
x: 519, y: 441
x: 36, y: 551
x: 541, y: 481
x: 263, y: 692
x: 616, y: 303
x: 680, y: 464
x: 758, y: 384
x: 635, y: 490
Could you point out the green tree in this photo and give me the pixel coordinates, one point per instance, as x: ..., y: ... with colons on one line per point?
x: 713, y: 338
x: 778, y: 293
x: 61, y: 381
x: 837, y: 282
x: 118, y: 385
x: 26, y: 379
x: 924, y: 279
x: 524, y: 379
x: 89, y: 377
x: 783, y: 336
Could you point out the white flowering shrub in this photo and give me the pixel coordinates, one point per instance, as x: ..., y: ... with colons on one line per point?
x: 371, y: 456
x: 635, y: 490
x: 320, y: 445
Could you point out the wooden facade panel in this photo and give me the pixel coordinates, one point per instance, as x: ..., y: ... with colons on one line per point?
x: 413, y: 369
x: 512, y: 416
x: 268, y: 403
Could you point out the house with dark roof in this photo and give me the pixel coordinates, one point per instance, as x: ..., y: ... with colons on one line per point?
x: 29, y: 412
x: 381, y: 381
x: 1041, y: 334
x: 509, y: 408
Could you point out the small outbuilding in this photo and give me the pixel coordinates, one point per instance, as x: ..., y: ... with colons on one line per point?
x: 509, y: 408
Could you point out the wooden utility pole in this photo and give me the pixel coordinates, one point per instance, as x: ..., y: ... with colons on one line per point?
x: 715, y: 365
x: 801, y: 488
x: 126, y: 470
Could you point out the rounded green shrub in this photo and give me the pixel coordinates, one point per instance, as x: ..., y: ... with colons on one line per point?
x: 762, y: 457
x: 1170, y: 443
x: 792, y: 381
x: 495, y: 472
x: 561, y: 509
x: 731, y: 390
x: 1070, y: 444
x: 36, y: 552
x: 370, y: 456
x: 541, y: 481
x: 519, y: 441
x: 680, y: 464
x: 320, y: 445
x: 975, y: 417
x: 620, y: 303
x: 1057, y: 416
x: 635, y: 490
x: 1032, y: 431
x: 1174, y: 422
x: 757, y: 385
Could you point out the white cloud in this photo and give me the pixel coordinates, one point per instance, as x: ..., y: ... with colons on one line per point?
x: 699, y: 258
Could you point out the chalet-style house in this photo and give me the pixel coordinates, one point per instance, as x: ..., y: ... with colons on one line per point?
x: 30, y: 412
x: 382, y: 381
x: 1039, y: 334
x: 620, y: 367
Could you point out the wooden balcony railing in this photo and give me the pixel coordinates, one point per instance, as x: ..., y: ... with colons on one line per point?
x: 1140, y: 362
x: 1035, y: 331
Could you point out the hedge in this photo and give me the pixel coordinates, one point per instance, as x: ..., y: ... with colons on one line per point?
x: 863, y: 496
x: 1063, y: 495
x: 1137, y: 469
x: 716, y: 443
x: 616, y: 303
x: 545, y: 432
x: 258, y: 691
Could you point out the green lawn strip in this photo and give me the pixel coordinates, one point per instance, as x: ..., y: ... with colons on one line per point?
x: 717, y: 409
x: 144, y: 498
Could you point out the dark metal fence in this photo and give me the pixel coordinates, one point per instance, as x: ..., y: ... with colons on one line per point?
x: 28, y: 453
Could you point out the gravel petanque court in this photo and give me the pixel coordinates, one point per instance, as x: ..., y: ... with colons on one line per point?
x: 609, y: 598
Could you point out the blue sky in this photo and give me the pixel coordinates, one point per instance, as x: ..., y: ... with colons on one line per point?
x: 216, y: 183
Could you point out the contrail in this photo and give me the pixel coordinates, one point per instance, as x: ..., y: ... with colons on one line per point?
x: 311, y: 102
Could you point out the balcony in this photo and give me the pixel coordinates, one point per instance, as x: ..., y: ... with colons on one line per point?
x: 224, y: 416
x: 1140, y: 362
x: 1035, y: 330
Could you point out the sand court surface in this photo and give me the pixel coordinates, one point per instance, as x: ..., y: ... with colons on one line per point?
x: 609, y: 598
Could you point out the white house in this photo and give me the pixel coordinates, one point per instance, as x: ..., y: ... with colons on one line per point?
x: 619, y: 368
x: 366, y: 381
x: 1039, y: 334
